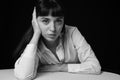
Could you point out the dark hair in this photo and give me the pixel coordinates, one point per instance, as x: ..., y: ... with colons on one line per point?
x: 43, y: 8
x: 46, y: 7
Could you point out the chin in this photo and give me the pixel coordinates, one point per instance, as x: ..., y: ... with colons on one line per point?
x: 48, y: 38
x: 51, y: 39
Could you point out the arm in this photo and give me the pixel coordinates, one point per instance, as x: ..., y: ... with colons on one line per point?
x: 26, y: 65
x: 89, y: 62
x: 55, y: 68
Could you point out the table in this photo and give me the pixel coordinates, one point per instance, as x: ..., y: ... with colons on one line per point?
x: 8, y: 74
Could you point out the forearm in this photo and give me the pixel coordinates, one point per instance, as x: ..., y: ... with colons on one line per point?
x: 35, y: 38
x: 55, y: 68
x: 25, y: 65
x: 64, y: 68
x: 86, y: 67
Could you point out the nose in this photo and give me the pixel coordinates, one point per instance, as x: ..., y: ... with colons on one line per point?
x: 52, y: 27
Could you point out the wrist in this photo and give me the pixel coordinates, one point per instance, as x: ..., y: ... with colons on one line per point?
x: 64, y: 68
x: 37, y: 33
x: 35, y: 38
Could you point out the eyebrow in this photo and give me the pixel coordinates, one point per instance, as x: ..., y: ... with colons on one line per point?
x: 55, y: 17
x: 44, y: 18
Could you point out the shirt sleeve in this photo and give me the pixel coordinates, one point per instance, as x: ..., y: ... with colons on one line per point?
x: 27, y: 63
x: 89, y: 62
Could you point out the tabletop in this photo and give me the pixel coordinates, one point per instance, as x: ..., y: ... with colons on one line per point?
x: 8, y: 74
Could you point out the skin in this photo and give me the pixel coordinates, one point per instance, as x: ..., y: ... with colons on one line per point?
x: 50, y: 28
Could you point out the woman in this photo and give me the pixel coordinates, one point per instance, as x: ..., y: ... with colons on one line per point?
x: 54, y: 46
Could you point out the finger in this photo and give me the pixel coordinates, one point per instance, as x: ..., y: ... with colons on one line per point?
x: 33, y: 14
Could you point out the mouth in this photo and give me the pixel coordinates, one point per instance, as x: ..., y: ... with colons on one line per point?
x: 51, y: 35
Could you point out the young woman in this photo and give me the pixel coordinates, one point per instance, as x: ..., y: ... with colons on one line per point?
x: 54, y: 46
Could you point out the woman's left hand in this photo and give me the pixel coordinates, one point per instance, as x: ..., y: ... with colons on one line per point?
x: 64, y: 68
x: 55, y: 68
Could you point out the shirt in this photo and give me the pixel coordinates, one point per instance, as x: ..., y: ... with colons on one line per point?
x: 72, y: 49
x: 47, y: 57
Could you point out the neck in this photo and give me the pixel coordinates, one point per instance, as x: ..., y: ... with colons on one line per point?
x: 51, y: 44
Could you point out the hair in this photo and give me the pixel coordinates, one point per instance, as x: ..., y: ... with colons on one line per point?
x: 43, y: 8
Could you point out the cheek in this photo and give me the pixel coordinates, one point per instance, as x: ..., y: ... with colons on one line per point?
x: 43, y: 28
x: 59, y: 28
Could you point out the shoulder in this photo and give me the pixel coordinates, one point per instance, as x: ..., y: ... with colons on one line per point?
x: 73, y: 32
x: 70, y: 28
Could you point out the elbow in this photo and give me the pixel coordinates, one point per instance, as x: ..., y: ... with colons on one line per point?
x: 22, y: 76
x: 97, y: 72
x: 97, y: 69
x: 94, y: 71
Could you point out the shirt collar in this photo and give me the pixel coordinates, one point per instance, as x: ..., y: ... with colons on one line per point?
x: 45, y: 49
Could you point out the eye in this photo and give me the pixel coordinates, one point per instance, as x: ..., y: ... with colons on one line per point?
x: 59, y: 21
x: 45, y: 21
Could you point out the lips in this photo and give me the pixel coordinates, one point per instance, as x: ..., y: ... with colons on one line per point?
x: 52, y: 34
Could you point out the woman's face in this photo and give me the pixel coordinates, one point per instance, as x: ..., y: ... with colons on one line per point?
x: 50, y: 26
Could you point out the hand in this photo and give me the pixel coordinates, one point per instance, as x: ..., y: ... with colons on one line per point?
x: 64, y: 68
x: 55, y: 68
x: 34, y: 22
x: 51, y: 67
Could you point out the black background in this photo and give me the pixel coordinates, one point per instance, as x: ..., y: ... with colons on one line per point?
x: 96, y: 20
